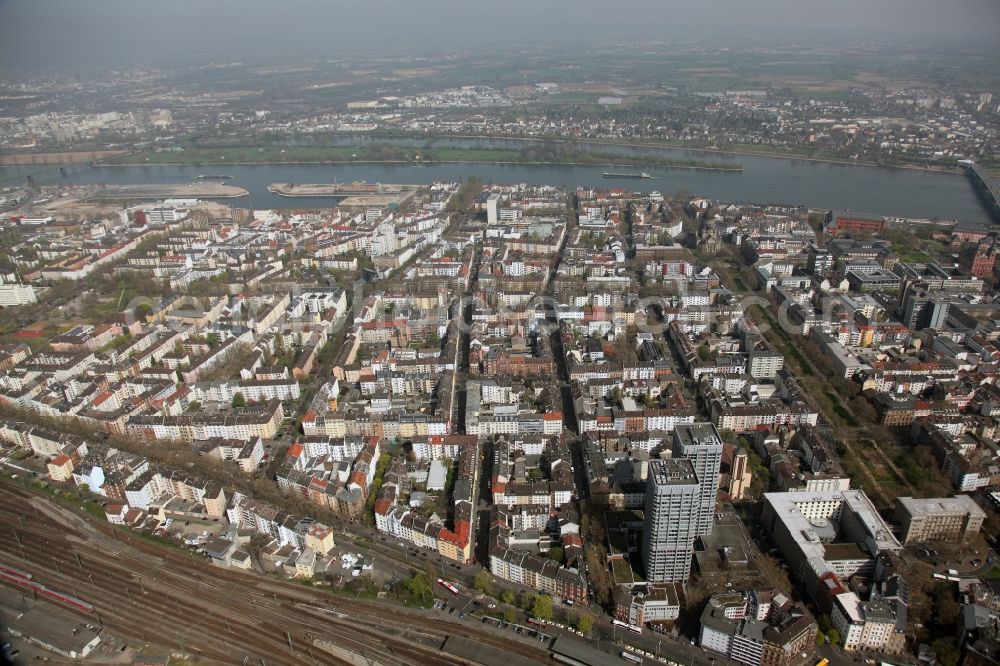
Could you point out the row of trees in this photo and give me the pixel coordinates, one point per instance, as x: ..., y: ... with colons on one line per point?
x: 466, y: 195
x: 540, y: 606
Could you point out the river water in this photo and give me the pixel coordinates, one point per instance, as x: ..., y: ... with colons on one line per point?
x: 898, y: 192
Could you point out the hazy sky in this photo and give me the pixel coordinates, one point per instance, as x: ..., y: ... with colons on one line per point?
x: 71, y: 33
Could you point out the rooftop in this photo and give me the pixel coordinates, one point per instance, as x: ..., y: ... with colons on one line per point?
x: 932, y: 506
x: 52, y: 627
x: 700, y: 434
x: 791, y: 509
x: 673, y: 471
x: 845, y: 551
x: 856, y: 215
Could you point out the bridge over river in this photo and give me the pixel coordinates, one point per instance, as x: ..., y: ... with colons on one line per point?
x: 986, y: 187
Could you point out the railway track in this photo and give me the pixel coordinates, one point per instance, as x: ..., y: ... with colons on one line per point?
x: 152, y: 595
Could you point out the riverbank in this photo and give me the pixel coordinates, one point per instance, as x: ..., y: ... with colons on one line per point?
x: 687, y: 167
x: 683, y: 146
x: 484, y: 155
x: 47, y: 160
x: 903, y: 193
x: 347, y: 154
x: 381, y: 195
x: 166, y: 190
x: 423, y: 163
x: 406, y: 151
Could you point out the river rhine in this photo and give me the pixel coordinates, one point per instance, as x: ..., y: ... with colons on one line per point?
x: 896, y: 192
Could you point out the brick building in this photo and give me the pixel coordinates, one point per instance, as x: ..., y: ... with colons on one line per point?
x: 841, y: 221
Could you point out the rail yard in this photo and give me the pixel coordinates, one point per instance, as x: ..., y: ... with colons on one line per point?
x: 150, y: 595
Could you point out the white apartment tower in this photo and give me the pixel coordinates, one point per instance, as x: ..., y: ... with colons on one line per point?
x: 492, y: 210
x: 701, y: 444
x: 670, y: 520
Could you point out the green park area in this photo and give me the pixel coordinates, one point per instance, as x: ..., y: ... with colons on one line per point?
x: 541, y: 152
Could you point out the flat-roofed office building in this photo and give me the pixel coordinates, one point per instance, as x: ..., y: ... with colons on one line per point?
x: 939, y: 518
